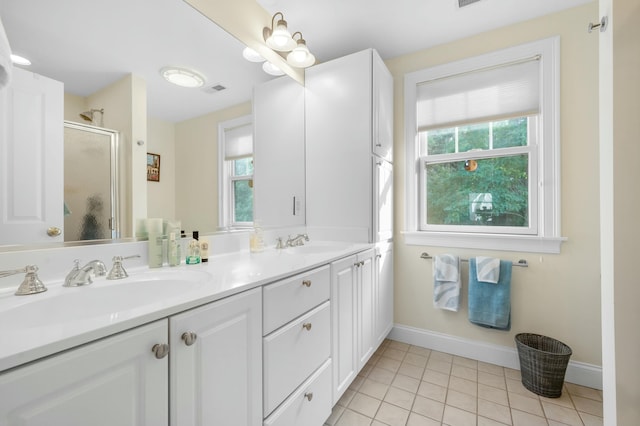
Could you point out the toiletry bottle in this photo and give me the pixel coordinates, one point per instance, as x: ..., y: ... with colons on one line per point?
x: 193, y: 251
x: 204, y: 249
x: 256, y: 241
x: 174, y: 250
x: 155, y: 254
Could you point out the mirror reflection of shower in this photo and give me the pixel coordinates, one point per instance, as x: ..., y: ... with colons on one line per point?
x: 90, y: 116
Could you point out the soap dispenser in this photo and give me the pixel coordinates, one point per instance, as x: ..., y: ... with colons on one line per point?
x: 193, y: 250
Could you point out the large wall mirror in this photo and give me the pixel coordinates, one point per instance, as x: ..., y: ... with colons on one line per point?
x: 99, y: 47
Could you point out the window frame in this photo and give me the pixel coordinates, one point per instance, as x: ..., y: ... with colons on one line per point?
x: 547, y: 239
x: 226, y: 177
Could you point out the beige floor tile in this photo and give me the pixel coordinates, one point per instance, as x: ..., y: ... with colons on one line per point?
x: 561, y: 414
x: 564, y: 400
x: 374, y: 389
x: 392, y: 415
x: 335, y: 415
x: 399, y: 345
x: 489, y: 393
x: 436, y: 377
x: 441, y: 356
x: 577, y: 390
x: 588, y: 406
x: 364, y: 404
x: 493, y: 411
x: 351, y: 418
x: 406, y: 383
x: 399, y: 397
x: 439, y: 366
x: 456, y: 417
x: 416, y: 359
x: 388, y: 364
x: 465, y: 362
x: 483, y: 421
x: 428, y: 407
x: 381, y: 375
x: 590, y: 420
x: 394, y: 353
x: 516, y: 386
x: 463, y: 385
x: 411, y: 370
x: 357, y: 382
x: 433, y: 391
x: 346, y: 398
x: 526, y: 404
x: 492, y: 380
x: 418, y: 420
x: 510, y: 373
x: 520, y: 418
x: 491, y: 368
x: 462, y: 400
x: 420, y: 351
x: 464, y: 372
x: 377, y: 423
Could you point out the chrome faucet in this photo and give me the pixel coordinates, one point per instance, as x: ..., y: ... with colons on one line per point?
x: 297, y: 240
x: 82, y: 276
x: 118, y: 272
x: 31, y: 283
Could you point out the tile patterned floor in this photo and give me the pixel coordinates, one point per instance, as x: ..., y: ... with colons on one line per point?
x: 404, y: 385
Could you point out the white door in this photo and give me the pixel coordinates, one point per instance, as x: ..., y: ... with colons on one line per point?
x: 382, y: 109
x: 115, y: 381
x: 216, y: 372
x: 365, y: 307
x: 31, y: 159
x: 383, y: 206
x: 343, y: 323
x: 384, y: 291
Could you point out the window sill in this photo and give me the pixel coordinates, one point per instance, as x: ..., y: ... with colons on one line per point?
x: 485, y: 241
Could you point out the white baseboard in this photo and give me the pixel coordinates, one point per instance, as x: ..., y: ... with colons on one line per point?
x: 577, y: 372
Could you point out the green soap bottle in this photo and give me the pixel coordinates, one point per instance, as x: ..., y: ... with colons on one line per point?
x: 193, y: 250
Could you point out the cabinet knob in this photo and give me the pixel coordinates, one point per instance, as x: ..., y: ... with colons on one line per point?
x: 309, y: 395
x: 306, y: 283
x: 54, y: 231
x: 307, y: 325
x: 189, y: 337
x: 160, y: 350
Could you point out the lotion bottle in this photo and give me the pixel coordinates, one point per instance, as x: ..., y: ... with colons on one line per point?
x: 155, y: 255
x: 174, y: 250
x: 193, y: 250
x: 204, y: 249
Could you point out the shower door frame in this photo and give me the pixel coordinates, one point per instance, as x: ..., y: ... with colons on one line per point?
x: 114, y: 136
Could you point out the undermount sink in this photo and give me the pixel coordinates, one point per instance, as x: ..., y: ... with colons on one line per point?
x: 102, y: 298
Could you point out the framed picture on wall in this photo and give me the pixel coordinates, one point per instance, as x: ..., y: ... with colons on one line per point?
x: 153, y: 167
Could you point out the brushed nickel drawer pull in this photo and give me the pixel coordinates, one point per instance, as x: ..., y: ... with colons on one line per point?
x: 189, y: 337
x: 309, y: 395
x: 160, y: 350
x: 306, y: 283
x: 307, y: 325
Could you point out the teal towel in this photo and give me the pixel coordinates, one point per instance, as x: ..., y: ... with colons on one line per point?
x: 490, y: 304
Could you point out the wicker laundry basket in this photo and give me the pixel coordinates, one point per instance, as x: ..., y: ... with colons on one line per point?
x: 543, y: 363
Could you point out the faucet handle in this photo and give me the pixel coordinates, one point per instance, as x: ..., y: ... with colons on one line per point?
x: 118, y: 272
x: 31, y: 283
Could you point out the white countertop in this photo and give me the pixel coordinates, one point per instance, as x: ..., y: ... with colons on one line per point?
x: 35, y: 326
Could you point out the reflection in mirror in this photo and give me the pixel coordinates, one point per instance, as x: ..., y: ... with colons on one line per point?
x: 109, y: 58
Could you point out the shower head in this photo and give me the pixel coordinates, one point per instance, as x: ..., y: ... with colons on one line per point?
x: 88, y: 115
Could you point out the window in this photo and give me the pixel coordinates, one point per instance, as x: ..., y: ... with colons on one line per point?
x: 483, y: 136
x: 236, y: 173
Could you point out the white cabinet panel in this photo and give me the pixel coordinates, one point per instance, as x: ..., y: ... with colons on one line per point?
x: 31, y: 159
x: 366, y: 307
x: 217, y: 380
x: 383, y: 188
x: 382, y: 110
x: 384, y: 291
x: 115, y: 381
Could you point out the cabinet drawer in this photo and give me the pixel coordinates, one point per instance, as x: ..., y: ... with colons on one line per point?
x: 293, y: 352
x: 290, y: 298
x: 310, y: 404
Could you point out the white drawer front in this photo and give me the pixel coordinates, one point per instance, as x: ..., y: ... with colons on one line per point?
x: 310, y: 405
x: 293, y: 352
x: 290, y: 298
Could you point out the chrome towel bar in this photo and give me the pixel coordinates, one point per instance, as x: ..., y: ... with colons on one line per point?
x: 521, y: 262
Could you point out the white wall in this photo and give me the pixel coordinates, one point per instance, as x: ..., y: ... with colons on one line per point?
x: 558, y: 295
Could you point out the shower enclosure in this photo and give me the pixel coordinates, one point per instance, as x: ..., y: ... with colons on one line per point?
x: 90, y: 182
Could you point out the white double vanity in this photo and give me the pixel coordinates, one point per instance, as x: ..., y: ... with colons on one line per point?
x: 271, y: 338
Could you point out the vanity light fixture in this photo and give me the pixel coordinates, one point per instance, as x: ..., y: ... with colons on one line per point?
x: 182, y: 77
x: 20, y: 60
x: 300, y: 56
x: 278, y: 36
x: 251, y: 55
x: 271, y: 69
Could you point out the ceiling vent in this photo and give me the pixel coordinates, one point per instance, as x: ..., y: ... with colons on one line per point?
x: 463, y: 3
x: 214, y: 89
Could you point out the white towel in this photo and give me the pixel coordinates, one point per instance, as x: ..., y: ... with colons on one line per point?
x: 488, y: 269
x: 446, y: 282
x: 6, y: 66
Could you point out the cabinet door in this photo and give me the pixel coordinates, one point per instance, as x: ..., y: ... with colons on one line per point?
x: 365, y: 294
x: 382, y: 109
x: 384, y: 291
x: 217, y: 379
x: 343, y: 323
x: 279, y: 174
x: 383, y: 204
x: 31, y: 159
x: 114, y: 381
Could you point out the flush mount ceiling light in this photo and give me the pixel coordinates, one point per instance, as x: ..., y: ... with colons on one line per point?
x: 251, y: 55
x: 269, y: 68
x: 19, y: 60
x: 182, y: 77
x: 300, y: 56
x: 278, y: 36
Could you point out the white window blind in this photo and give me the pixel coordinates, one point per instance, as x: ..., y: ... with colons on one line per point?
x: 238, y: 142
x: 488, y: 94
